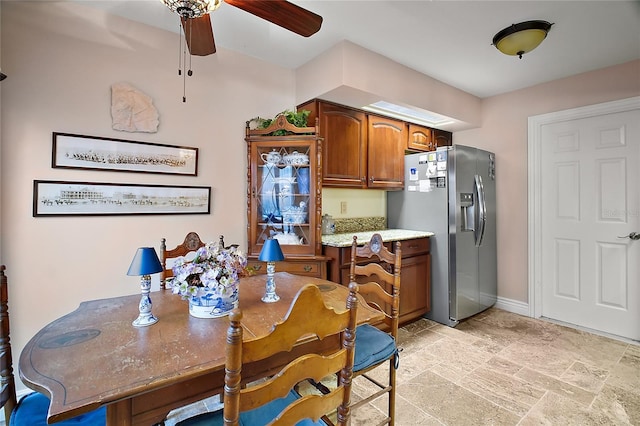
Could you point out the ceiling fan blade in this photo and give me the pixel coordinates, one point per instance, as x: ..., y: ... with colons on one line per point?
x: 282, y: 13
x: 199, y: 35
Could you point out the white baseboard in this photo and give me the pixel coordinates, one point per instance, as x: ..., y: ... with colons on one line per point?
x: 514, y: 306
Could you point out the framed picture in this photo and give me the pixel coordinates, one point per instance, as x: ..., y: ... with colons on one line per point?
x: 58, y: 198
x: 96, y: 153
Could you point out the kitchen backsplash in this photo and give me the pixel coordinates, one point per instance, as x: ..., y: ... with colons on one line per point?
x: 360, y: 224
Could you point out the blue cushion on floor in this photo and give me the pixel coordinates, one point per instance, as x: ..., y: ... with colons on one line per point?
x: 256, y: 417
x: 32, y: 410
x: 372, y: 347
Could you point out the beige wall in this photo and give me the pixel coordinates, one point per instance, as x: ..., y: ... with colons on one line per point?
x: 351, y: 75
x: 504, y: 131
x: 359, y: 202
x: 62, y: 61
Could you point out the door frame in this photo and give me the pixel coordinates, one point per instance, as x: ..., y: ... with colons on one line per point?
x: 534, y: 184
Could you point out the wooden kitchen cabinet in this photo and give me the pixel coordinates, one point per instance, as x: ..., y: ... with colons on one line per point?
x: 420, y: 138
x: 385, y: 152
x: 415, y: 274
x: 365, y: 150
x: 442, y: 138
x: 344, y: 147
x: 284, y: 196
x: 415, y: 298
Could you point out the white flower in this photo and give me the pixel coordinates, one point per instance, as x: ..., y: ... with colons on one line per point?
x: 213, y: 267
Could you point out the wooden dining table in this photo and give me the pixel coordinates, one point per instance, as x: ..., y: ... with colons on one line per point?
x: 93, y: 356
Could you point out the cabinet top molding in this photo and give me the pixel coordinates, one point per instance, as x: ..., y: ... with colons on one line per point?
x: 280, y: 123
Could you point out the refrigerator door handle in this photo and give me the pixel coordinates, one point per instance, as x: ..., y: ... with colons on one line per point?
x: 482, y: 210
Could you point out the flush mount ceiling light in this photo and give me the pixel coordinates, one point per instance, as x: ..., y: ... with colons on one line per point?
x: 521, y: 38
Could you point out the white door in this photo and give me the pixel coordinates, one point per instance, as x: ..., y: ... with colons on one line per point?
x: 590, y: 204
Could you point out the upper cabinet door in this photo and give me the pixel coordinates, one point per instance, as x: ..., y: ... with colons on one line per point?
x: 420, y: 138
x: 387, y: 140
x: 442, y: 138
x: 344, y: 153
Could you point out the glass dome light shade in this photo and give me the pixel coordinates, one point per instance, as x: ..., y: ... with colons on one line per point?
x: 521, y: 38
x: 192, y: 8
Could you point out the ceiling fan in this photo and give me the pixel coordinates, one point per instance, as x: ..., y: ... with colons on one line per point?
x: 196, y: 23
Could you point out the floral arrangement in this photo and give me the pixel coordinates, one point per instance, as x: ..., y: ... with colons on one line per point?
x: 213, y: 266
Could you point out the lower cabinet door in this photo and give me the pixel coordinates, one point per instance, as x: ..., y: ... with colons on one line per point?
x: 415, y: 292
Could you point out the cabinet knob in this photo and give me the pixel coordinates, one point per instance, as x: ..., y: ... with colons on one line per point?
x: 257, y: 267
x: 307, y: 268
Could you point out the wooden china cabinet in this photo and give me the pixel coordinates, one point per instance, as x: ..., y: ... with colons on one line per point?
x: 284, y: 196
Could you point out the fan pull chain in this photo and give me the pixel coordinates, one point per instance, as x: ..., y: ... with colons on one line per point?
x: 190, y: 72
x: 180, y: 49
x: 184, y: 76
x: 182, y: 57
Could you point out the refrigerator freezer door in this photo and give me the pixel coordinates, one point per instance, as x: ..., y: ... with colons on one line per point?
x: 463, y: 253
x: 487, y: 252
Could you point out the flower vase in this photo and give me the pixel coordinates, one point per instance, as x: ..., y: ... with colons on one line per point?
x: 214, y: 302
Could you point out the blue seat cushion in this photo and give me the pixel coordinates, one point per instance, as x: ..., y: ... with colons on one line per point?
x: 32, y: 410
x: 372, y: 347
x: 256, y: 417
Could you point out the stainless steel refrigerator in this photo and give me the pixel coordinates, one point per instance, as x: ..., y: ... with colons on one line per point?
x: 451, y: 192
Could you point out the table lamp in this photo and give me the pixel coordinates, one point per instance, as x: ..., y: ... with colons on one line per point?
x: 145, y: 263
x: 271, y: 253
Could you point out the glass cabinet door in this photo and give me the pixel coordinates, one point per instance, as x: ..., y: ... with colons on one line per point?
x: 284, y: 201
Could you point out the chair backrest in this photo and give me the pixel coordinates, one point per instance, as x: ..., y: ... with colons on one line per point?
x: 378, y: 280
x: 190, y: 244
x: 8, y: 398
x: 308, y: 317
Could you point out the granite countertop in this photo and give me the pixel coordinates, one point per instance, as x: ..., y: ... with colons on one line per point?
x: 344, y: 240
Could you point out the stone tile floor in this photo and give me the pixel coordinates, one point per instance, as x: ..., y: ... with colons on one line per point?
x: 499, y: 368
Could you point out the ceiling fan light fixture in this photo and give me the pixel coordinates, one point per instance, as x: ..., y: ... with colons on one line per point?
x: 518, y: 39
x: 192, y: 8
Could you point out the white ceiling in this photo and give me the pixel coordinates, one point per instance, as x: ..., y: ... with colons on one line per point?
x: 447, y: 40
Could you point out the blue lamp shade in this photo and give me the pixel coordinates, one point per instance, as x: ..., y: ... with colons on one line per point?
x: 271, y: 251
x: 145, y: 262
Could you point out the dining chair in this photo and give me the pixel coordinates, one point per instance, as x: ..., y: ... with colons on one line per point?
x: 379, y: 284
x: 274, y: 400
x: 31, y: 409
x: 190, y: 244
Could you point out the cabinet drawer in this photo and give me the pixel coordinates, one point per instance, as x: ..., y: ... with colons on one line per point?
x: 311, y: 268
x: 412, y: 247
x: 300, y: 268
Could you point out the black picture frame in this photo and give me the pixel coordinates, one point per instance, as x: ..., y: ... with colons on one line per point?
x: 71, y: 151
x: 64, y: 198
